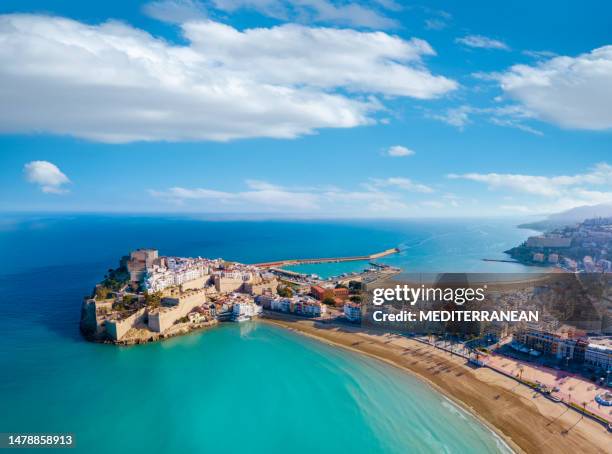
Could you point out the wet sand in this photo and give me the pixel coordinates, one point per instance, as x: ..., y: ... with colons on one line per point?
x: 525, y: 419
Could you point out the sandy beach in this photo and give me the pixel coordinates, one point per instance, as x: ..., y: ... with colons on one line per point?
x: 525, y: 419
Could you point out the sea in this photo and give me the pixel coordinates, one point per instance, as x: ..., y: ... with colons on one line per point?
x: 236, y: 388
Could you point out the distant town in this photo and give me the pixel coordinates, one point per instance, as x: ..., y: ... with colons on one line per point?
x: 584, y: 247
x: 151, y: 297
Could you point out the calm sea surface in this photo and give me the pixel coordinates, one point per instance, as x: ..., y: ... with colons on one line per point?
x: 237, y: 388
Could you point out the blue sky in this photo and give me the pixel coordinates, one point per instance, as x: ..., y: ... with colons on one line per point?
x: 313, y: 107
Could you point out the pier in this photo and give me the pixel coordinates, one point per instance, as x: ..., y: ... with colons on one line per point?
x: 281, y: 263
x: 501, y: 260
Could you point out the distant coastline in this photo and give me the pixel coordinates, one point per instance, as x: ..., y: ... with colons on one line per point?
x: 572, y: 247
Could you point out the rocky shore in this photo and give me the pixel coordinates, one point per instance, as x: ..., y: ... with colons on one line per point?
x: 143, y: 336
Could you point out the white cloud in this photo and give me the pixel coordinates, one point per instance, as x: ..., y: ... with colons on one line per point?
x: 556, y: 186
x: 510, y: 116
x: 455, y: 116
x: 47, y: 176
x: 572, y: 92
x: 435, y: 24
x: 116, y: 83
x: 548, y: 194
x: 482, y: 42
x: 405, y: 184
x: 370, y: 201
x: 538, y: 54
x: 321, y: 11
x: 260, y: 195
x: 397, y: 151
x: 378, y: 196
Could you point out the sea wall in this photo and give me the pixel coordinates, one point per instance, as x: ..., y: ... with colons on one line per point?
x: 163, y: 318
x: 88, y: 317
x: 91, y: 322
x: 116, y: 329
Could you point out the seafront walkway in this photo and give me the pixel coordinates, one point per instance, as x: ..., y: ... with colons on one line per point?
x: 573, y: 390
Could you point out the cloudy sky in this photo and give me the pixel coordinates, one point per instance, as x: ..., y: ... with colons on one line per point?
x: 309, y: 107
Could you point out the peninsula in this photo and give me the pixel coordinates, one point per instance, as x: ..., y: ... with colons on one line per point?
x: 151, y: 297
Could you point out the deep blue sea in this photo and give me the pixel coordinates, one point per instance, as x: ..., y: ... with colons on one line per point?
x: 246, y: 388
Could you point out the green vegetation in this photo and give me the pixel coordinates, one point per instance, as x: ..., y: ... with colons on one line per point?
x: 582, y: 409
x: 128, y: 299
x: 329, y: 301
x: 355, y: 298
x: 101, y: 292
x: 115, y: 279
x: 153, y: 300
x: 284, y: 291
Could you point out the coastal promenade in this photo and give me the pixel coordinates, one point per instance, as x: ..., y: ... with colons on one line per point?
x: 288, y: 262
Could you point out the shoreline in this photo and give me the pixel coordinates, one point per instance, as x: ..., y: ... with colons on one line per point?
x: 508, y: 442
x: 524, y: 420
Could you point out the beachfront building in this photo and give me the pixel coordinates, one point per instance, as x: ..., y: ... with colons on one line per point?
x: 568, y: 344
x: 242, y: 311
x: 299, y: 305
x: 599, y: 353
x: 352, y: 311
x: 559, y: 344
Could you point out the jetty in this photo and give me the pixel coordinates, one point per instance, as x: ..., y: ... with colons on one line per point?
x: 281, y: 263
x: 501, y: 260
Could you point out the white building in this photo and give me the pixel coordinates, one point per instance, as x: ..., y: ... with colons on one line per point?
x: 599, y: 353
x: 352, y: 312
x: 245, y: 311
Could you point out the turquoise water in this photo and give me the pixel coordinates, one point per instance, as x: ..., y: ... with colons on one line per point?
x: 237, y: 388
x: 440, y: 247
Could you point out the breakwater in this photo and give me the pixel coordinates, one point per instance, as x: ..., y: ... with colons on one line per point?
x: 280, y: 263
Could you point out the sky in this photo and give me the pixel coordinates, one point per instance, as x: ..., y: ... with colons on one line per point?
x: 305, y: 107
